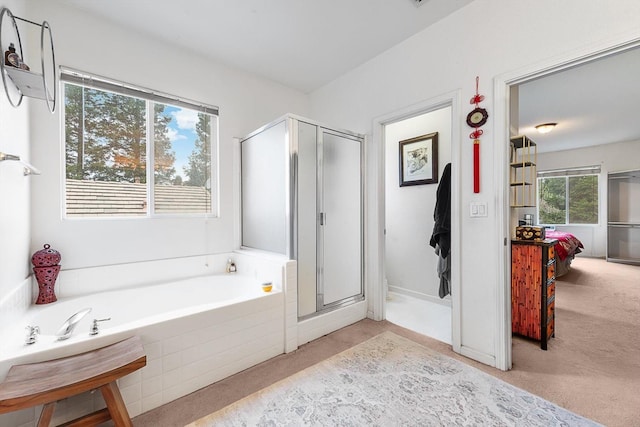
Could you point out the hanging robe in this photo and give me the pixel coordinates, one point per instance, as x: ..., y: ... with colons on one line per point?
x: 441, y: 236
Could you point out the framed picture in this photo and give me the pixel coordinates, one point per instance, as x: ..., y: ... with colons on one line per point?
x: 419, y: 160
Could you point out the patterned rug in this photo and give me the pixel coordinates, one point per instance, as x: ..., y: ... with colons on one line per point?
x: 392, y: 381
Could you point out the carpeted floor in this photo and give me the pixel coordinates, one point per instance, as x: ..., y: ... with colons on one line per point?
x: 390, y: 380
x: 592, y: 366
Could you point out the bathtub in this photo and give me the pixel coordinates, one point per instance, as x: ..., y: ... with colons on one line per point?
x: 195, y: 332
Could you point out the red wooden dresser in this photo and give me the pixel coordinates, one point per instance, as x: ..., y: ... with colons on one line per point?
x: 533, y: 283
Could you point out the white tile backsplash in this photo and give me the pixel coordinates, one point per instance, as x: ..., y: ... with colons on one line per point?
x: 12, y: 307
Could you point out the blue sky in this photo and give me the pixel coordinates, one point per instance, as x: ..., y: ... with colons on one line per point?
x: 182, y: 134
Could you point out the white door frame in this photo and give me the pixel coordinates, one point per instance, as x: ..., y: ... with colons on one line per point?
x: 376, y: 206
x: 502, y: 84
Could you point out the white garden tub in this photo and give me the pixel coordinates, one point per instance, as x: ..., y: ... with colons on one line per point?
x: 195, y: 332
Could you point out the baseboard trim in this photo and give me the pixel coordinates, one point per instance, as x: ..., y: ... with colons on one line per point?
x: 481, y: 357
x: 323, y: 324
x: 446, y: 301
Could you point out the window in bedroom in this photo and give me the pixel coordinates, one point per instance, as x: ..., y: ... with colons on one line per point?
x: 568, y: 197
x: 132, y: 152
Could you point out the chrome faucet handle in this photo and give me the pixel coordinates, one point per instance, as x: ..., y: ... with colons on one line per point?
x: 94, y: 326
x: 70, y: 324
x: 33, y: 334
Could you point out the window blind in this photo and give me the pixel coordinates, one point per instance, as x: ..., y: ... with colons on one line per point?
x: 582, y: 170
x: 96, y: 82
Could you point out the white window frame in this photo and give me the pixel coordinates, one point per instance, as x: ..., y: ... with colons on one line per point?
x: 566, y: 174
x: 79, y: 78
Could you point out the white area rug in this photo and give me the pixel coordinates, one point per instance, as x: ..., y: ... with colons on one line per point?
x: 392, y: 381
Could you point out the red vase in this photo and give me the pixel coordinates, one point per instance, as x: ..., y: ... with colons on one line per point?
x: 46, y: 277
x: 46, y: 269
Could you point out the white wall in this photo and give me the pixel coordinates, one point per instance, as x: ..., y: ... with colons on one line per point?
x: 14, y: 187
x: 246, y: 102
x: 489, y: 39
x: 410, y: 262
x: 616, y: 157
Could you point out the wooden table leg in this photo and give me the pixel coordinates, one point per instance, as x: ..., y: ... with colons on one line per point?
x: 46, y: 414
x: 115, y: 404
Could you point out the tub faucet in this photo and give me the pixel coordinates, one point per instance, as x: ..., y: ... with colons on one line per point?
x: 70, y: 324
x: 32, y: 336
x: 94, y: 326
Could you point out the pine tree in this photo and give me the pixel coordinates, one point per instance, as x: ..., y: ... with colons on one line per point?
x: 583, y: 199
x: 552, y: 201
x: 121, y: 124
x: 85, y: 155
x: 106, y: 137
x: 164, y: 157
x: 74, y: 131
x: 198, y: 170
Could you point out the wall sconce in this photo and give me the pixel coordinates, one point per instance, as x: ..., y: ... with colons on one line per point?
x: 545, y: 127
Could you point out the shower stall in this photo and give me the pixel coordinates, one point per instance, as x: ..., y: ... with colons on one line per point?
x: 302, y: 196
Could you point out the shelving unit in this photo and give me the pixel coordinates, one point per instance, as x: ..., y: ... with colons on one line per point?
x: 623, y: 224
x: 522, y: 177
x: 22, y: 82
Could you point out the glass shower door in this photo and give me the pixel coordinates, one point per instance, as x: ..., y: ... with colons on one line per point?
x: 340, y: 201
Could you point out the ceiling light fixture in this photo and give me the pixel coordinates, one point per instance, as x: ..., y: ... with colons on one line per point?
x: 545, y: 127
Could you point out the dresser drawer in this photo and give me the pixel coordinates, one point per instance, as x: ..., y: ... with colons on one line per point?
x: 550, y: 328
x: 551, y: 252
x: 551, y: 308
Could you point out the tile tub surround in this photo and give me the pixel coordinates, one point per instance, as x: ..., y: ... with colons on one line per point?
x: 186, y: 353
x: 14, y: 305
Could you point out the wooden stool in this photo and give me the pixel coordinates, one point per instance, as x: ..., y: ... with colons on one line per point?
x: 47, y: 382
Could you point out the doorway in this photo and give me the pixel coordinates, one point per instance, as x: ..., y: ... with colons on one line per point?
x: 411, y: 282
x: 507, y: 88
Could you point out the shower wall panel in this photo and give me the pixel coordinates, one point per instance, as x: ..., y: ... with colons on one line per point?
x: 264, y: 190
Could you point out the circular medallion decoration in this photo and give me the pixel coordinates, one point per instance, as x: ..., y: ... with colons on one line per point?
x: 477, y: 117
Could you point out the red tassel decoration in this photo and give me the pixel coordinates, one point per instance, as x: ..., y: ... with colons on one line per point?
x: 476, y: 166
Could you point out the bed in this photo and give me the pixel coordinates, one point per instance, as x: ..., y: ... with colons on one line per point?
x: 567, y: 247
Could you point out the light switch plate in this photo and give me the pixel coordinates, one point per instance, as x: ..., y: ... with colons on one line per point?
x: 478, y: 209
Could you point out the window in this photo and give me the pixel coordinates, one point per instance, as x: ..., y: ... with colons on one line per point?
x: 133, y: 152
x: 568, y: 197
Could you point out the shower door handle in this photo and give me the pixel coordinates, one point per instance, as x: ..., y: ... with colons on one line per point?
x: 323, y: 218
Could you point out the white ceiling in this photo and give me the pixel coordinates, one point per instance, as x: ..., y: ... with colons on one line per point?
x: 593, y: 104
x: 304, y: 45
